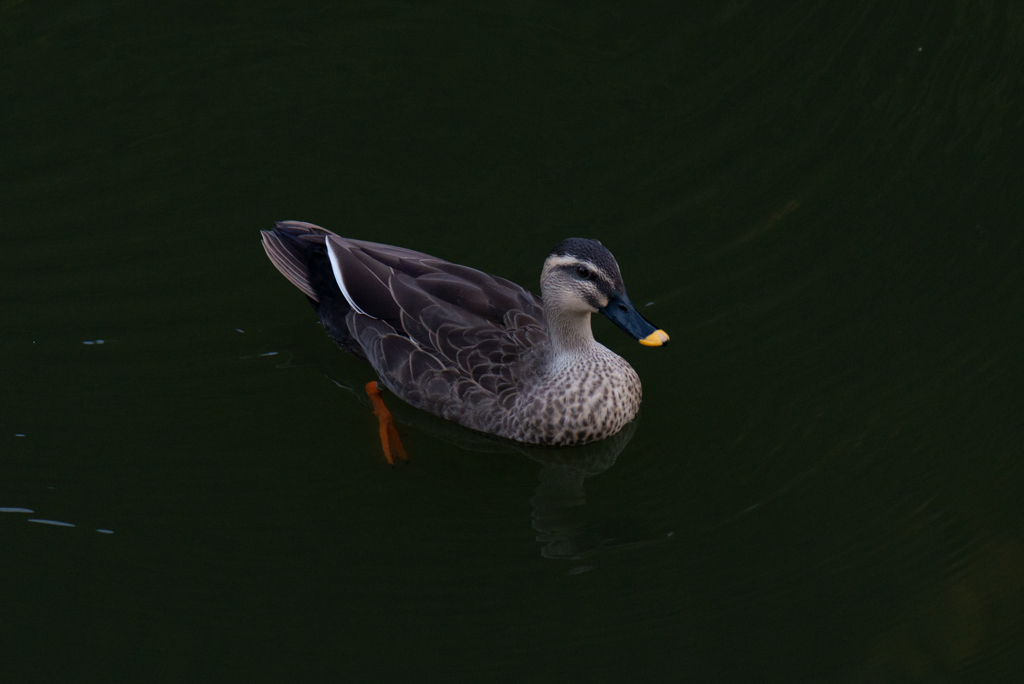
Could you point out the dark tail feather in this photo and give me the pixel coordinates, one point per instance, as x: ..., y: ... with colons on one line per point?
x: 299, y: 252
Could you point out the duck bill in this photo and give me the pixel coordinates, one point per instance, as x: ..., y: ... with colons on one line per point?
x: 622, y: 313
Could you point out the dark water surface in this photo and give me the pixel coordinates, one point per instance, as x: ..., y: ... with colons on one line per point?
x: 822, y: 203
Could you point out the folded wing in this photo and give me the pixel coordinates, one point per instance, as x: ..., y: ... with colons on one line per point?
x: 446, y: 338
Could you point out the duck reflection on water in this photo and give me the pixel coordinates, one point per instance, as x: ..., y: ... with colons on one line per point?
x: 562, y: 526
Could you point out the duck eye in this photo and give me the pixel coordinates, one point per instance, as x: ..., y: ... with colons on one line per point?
x: 582, y: 271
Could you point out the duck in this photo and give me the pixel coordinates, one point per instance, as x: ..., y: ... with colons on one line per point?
x: 474, y: 348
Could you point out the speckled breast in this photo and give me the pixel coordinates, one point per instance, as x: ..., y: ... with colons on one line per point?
x: 581, y: 401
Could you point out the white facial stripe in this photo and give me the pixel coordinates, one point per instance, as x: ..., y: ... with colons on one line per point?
x: 554, y: 261
x: 336, y: 267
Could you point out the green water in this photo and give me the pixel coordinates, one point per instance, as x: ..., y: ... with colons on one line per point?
x: 822, y: 205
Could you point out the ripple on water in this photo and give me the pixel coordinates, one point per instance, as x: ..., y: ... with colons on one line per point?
x: 45, y: 521
x: 56, y: 523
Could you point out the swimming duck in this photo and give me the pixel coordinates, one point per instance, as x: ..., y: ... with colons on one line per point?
x: 474, y: 348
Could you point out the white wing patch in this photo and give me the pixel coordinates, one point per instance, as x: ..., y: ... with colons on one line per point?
x: 336, y: 267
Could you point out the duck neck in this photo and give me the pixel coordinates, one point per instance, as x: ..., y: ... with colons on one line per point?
x: 570, y: 332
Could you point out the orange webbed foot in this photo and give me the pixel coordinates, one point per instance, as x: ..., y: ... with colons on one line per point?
x: 389, y: 439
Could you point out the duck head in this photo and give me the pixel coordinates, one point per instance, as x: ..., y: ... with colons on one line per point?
x: 581, y: 277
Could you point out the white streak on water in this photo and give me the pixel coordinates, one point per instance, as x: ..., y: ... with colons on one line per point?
x: 50, y: 522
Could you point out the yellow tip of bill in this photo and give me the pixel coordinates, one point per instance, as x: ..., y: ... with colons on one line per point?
x: 658, y: 338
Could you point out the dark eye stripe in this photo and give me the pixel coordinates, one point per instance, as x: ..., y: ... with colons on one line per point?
x: 598, y: 278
